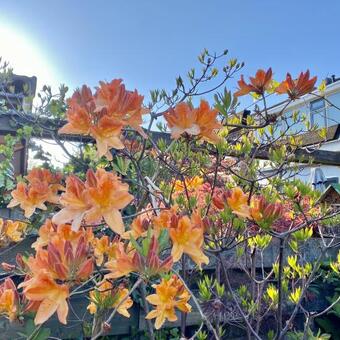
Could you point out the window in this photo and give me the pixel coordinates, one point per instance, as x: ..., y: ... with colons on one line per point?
x: 333, y: 113
x: 318, y: 113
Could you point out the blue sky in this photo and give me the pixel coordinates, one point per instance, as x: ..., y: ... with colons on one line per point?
x: 149, y: 42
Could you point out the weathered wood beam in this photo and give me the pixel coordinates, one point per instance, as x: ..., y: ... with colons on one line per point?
x: 9, y: 121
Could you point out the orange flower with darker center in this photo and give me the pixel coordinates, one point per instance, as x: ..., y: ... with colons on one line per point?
x: 170, y: 294
x: 50, y: 297
x: 258, y: 84
x: 49, y: 230
x: 187, y: 237
x: 237, y: 200
x: 107, y: 195
x: 100, y: 197
x: 42, y: 187
x: 200, y: 122
x: 297, y: 88
x: 75, y: 203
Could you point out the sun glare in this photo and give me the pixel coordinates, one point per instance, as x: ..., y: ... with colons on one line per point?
x: 26, y: 56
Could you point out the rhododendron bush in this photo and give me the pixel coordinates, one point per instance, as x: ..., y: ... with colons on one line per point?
x: 164, y: 202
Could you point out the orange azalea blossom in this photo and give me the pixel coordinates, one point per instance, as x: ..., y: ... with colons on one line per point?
x: 123, y: 262
x: 258, y: 84
x: 78, y: 115
x: 44, y: 175
x: 103, y: 115
x: 11, y: 231
x: 107, y: 195
x: 9, y: 300
x: 49, y: 230
x: 42, y: 187
x: 200, y: 122
x: 258, y: 210
x: 191, y: 184
x: 187, y: 237
x: 75, y: 201
x: 100, y: 197
x: 29, y: 197
x: 297, y: 88
x: 106, y: 133
x: 261, y: 210
x: 126, y: 107
x: 104, y: 247
x: 170, y: 294
x: 163, y: 220
x: 139, y: 227
x: 237, y: 200
x: 62, y: 261
x: 106, y: 296
x: 126, y: 262
x: 52, y: 296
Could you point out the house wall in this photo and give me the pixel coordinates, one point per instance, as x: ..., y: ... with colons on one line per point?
x: 326, y: 117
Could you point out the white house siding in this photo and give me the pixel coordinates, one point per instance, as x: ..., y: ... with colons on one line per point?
x: 332, y: 93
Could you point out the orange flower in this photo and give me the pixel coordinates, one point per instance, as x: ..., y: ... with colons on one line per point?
x: 258, y: 85
x: 107, y: 297
x: 80, y: 106
x: 49, y: 230
x: 200, y: 122
x: 187, y: 237
x: 107, y: 194
x: 139, y: 228
x: 238, y: 202
x: 11, y: 231
x: 103, y: 247
x: 9, y: 299
x: 44, y: 175
x: 75, y: 202
x: 170, y: 294
x: 123, y: 263
x: 258, y: 209
x: 125, y: 106
x: 297, y: 88
x: 52, y: 297
x: 29, y: 197
x: 106, y: 133
x: 262, y: 211
x: 42, y: 187
x: 191, y: 184
x: 100, y: 197
x: 104, y: 115
x: 163, y: 220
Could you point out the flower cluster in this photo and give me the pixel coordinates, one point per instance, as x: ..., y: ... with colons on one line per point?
x: 256, y: 208
x: 125, y: 261
x: 104, y: 114
x: 170, y: 294
x: 42, y: 186
x: 263, y: 82
x: 106, y: 296
x: 62, y: 260
x: 100, y: 197
x: 201, y: 122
